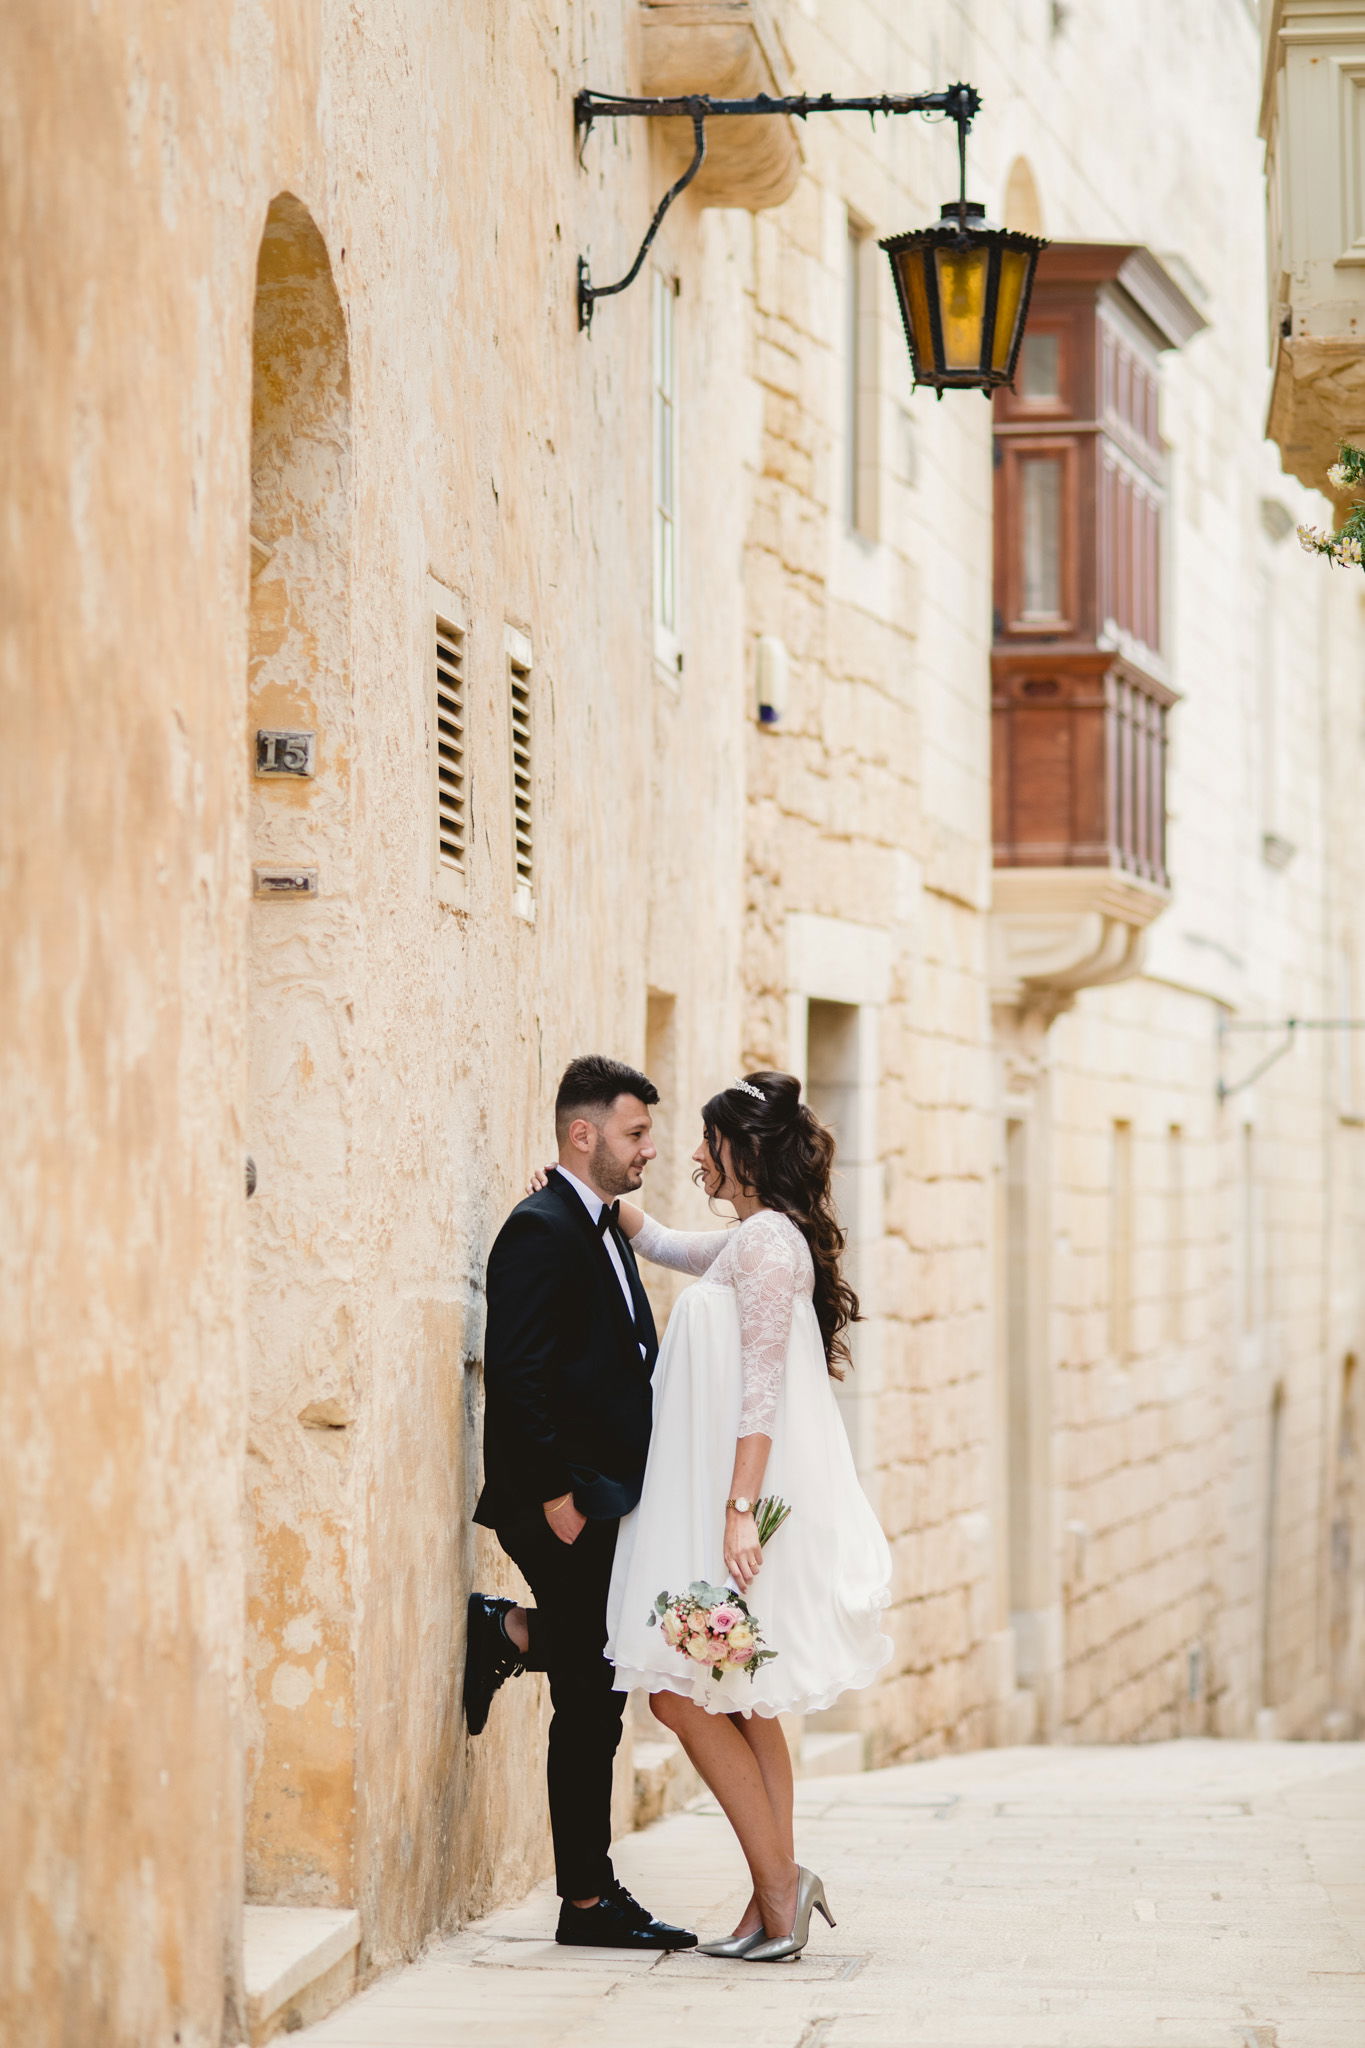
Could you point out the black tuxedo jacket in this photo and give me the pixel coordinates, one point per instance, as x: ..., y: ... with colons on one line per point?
x: 568, y: 1403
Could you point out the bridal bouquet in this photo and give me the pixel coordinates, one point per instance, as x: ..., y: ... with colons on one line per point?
x: 712, y: 1625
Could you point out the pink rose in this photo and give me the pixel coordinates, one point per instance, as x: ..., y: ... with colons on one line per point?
x: 723, y: 1619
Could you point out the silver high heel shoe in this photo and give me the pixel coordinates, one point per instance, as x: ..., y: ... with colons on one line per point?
x: 810, y: 1896
x: 733, y: 1944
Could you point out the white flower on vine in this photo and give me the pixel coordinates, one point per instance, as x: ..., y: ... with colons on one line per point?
x: 1350, y: 551
x: 1338, y: 476
x: 1311, y: 539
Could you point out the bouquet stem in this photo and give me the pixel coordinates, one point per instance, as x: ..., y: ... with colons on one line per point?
x: 769, y: 1515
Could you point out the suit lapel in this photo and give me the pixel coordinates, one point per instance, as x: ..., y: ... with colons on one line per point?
x: 602, y: 1256
x: 644, y: 1314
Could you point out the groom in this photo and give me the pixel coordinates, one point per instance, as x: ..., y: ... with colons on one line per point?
x: 568, y: 1354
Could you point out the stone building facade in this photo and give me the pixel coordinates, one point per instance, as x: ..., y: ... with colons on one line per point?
x: 304, y: 439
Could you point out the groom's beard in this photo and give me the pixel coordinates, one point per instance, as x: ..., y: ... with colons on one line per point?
x: 609, y: 1176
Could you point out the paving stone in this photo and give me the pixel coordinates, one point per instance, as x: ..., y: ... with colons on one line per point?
x: 1177, y: 1895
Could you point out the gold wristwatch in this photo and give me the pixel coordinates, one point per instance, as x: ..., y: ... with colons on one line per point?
x: 741, y: 1504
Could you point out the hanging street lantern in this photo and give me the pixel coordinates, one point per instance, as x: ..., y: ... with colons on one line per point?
x: 963, y: 285
x: 963, y: 288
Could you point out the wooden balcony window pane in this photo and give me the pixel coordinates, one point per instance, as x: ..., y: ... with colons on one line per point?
x: 1040, y: 366
x: 1040, y: 494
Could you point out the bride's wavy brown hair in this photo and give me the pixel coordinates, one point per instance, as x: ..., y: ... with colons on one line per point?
x: 780, y: 1149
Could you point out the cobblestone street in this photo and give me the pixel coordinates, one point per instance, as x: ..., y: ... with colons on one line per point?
x: 1181, y: 1895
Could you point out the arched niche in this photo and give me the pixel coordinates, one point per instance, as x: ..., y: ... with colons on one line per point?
x: 1023, y: 208
x: 300, y: 1694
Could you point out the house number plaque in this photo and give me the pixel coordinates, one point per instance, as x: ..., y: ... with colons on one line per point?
x: 284, y: 881
x: 285, y: 753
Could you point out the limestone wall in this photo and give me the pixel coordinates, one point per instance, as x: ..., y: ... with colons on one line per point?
x: 1099, y: 1568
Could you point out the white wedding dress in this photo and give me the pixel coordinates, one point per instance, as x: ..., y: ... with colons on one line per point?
x: 743, y: 1354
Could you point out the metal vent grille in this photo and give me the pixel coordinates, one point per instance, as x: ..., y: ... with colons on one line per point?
x: 451, y: 811
x: 521, y: 774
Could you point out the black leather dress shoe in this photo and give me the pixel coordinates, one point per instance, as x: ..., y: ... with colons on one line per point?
x: 490, y: 1657
x: 618, y: 1921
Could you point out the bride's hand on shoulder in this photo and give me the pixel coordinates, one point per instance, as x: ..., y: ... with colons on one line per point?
x: 539, y: 1178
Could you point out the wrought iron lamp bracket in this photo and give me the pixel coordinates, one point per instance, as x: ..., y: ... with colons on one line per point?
x: 959, y: 103
x: 1290, y: 1027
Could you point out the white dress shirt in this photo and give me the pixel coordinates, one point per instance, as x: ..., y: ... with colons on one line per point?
x: 594, y: 1205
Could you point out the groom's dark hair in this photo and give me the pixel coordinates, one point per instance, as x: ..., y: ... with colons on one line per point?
x: 593, y: 1082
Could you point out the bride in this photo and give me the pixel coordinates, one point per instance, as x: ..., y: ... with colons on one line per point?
x: 744, y: 1406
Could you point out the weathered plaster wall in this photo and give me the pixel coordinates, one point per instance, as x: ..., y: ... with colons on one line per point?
x: 387, y: 1056
x: 125, y: 400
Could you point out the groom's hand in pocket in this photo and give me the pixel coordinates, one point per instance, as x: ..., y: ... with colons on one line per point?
x: 564, y: 1518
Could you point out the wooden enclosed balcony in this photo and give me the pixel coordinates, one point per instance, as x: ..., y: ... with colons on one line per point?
x: 1079, y: 765
x: 1080, y: 699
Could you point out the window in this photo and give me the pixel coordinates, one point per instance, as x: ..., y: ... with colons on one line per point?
x: 1040, y: 510
x: 665, y: 407
x: 519, y: 717
x: 1121, y: 1243
x: 1021, y: 1460
x: 1040, y: 367
x: 860, y: 380
x: 449, y: 749
x: 841, y: 1088
x: 1344, y: 1618
x: 661, y: 1065
x: 670, y: 1193
x: 1175, y: 1233
x: 1249, y: 1234
x: 1272, y: 1590
x: 1349, y: 1092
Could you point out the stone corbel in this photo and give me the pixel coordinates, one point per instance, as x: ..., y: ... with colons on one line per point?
x: 1055, y: 931
x: 729, y: 49
x: 1317, y: 402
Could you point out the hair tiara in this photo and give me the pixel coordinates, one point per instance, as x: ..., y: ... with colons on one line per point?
x: 748, y: 1088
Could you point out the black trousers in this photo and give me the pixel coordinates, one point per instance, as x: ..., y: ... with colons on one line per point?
x: 568, y: 1635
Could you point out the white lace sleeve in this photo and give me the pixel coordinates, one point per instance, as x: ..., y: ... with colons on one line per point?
x: 771, y: 1263
x: 687, y: 1251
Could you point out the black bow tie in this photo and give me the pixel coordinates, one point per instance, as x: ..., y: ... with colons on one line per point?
x: 610, y: 1217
